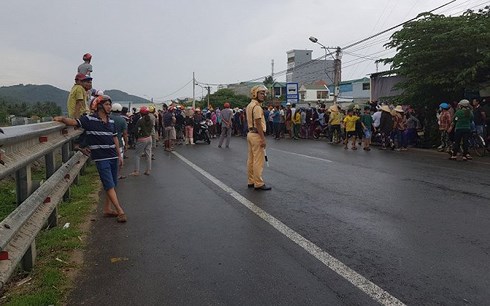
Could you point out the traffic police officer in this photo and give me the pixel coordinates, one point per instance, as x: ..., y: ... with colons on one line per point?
x: 256, y: 138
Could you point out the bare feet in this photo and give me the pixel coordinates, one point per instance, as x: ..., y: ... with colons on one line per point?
x: 135, y: 173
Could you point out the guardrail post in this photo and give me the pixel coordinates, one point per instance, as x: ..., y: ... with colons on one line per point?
x: 50, y: 162
x: 72, y: 152
x: 65, y: 156
x: 23, y: 181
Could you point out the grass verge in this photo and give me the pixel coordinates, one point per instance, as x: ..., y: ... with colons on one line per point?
x: 51, y: 278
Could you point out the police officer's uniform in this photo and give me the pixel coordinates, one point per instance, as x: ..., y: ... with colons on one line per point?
x: 256, y: 153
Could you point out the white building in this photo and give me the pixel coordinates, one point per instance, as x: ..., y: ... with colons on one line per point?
x: 357, y: 91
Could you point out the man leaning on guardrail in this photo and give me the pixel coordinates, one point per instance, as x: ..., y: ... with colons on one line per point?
x: 104, y: 150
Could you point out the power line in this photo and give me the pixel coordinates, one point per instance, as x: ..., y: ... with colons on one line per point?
x: 394, y: 27
x: 176, y: 90
x: 360, y: 42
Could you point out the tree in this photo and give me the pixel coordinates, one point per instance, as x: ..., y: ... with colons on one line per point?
x: 440, y: 57
x: 269, y: 83
x: 45, y: 109
x: 227, y: 95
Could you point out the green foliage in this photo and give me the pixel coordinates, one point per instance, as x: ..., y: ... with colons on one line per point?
x: 49, y: 284
x: 269, y: 81
x: 44, y: 109
x: 8, y: 200
x: 221, y: 96
x: 23, y: 109
x: 440, y: 57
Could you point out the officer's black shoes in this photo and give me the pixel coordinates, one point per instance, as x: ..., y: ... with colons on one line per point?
x: 263, y: 187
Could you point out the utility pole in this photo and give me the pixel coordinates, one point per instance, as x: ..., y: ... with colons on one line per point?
x: 209, y: 92
x: 193, y: 90
x: 337, y: 67
x: 272, y: 76
x: 337, y: 74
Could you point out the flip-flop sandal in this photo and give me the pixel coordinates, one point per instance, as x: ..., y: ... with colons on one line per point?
x: 134, y: 174
x: 122, y: 218
x: 122, y: 177
x: 112, y: 214
x: 147, y: 173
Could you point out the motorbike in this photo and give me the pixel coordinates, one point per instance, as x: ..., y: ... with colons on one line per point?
x: 321, y: 131
x: 201, y: 132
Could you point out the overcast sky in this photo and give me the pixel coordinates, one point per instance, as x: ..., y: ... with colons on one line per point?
x: 150, y: 48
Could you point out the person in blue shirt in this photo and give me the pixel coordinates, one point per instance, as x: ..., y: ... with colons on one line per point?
x: 276, y: 120
x: 101, y: 138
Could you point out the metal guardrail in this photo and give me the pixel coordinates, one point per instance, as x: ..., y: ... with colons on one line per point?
x: 20, y: 146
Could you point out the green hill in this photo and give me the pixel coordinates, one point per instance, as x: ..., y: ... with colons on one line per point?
x: 31, y: 94
x: 117, y: 95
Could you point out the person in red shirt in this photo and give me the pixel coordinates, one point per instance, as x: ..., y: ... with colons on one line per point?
x: 444, y: 127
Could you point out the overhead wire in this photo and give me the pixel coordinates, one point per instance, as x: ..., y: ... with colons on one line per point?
x: 382, y: 36
x: 171, y: 94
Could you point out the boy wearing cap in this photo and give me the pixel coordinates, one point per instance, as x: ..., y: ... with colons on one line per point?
x: 77, y: 98
x: 86, y: 68
x: 350, y: 128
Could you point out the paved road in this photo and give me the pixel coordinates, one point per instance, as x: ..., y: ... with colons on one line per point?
x: 338, y: 228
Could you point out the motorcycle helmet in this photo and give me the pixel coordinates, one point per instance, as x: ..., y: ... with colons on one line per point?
x: 464, y: 103
x: 144, y: 110
x: 116, y: 107
x: 87, y: 57
x: 151, y: 109
x: 255, y: 90
x: 99, y: 101
x: 444, y: 105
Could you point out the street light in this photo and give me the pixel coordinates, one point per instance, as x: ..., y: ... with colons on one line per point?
x: 208, y: 88
x: 202, y: 90
x: 337, y: 66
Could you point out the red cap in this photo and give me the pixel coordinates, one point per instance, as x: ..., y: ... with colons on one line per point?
x: 79, y: 77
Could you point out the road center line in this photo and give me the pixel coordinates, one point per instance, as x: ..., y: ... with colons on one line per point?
x: 303, y: 155
x: 362, y: 283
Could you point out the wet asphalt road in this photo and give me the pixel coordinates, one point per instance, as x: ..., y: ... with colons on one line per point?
x: 413, y: 223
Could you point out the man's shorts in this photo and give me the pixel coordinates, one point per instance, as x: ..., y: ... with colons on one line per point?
x: 108, y: 172
x: 351, y: 134
x: 367, y: 133
x: 170, y: 133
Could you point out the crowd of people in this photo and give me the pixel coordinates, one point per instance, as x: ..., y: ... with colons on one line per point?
x: 457, y: 121
x: 110, y: 129
x: 355, y: 126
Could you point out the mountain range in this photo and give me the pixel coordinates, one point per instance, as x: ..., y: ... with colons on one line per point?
x: 31, y: 94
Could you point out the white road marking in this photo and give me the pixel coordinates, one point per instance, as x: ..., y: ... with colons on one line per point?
x: 362, y: 283
x: 306, y: 156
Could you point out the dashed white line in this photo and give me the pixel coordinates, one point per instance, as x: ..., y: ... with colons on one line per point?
x: 362, y: 283
x: 305, y: 156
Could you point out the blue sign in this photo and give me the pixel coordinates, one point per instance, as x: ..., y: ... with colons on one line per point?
x: 292, y: 92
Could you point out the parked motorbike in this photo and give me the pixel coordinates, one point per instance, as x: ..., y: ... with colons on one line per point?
x: 321, y: 131
x: 201, y: 132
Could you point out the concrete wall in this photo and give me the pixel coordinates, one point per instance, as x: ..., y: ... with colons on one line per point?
x: 355, y: 90
x: 303, y: 70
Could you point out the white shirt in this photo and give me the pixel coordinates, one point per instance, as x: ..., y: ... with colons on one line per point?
x: 376, y: 118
